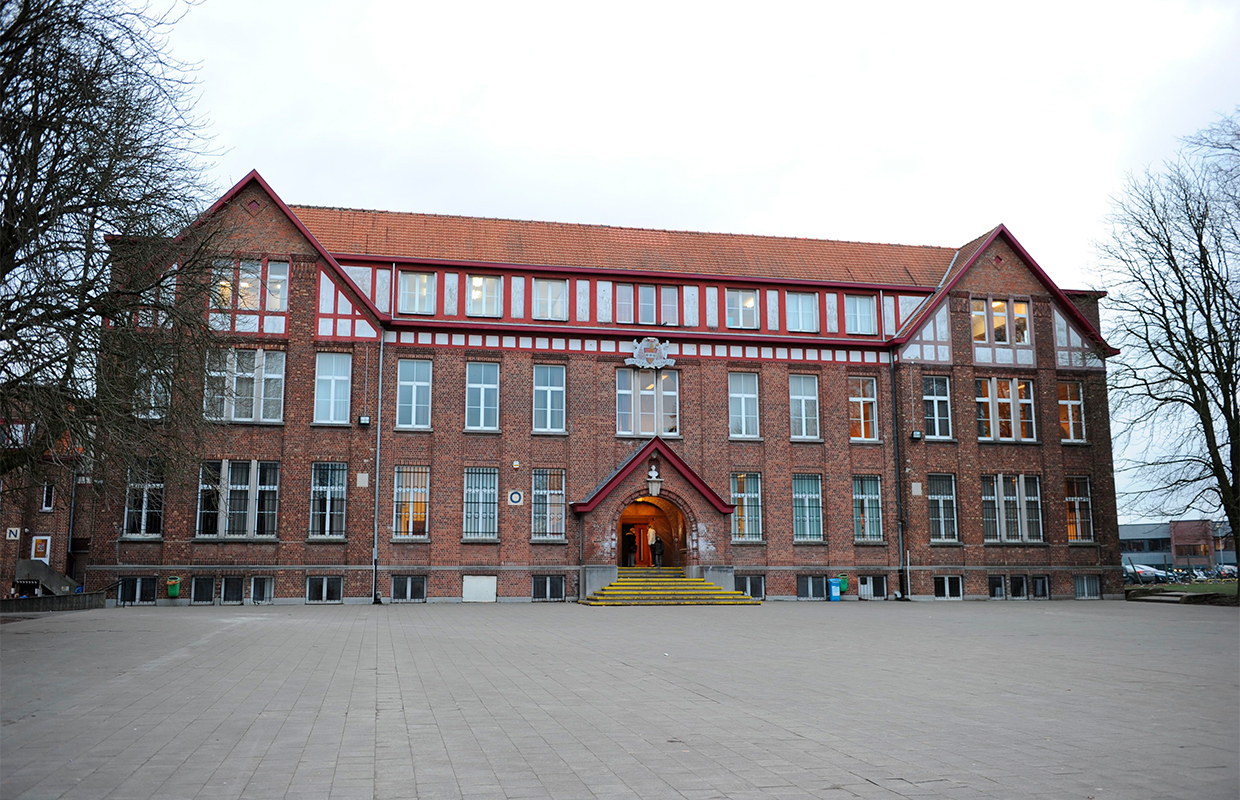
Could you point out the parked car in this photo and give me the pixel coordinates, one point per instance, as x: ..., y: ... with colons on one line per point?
x: 1139, y: 573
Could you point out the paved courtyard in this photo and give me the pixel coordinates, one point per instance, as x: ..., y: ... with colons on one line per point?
x: 787, y: 700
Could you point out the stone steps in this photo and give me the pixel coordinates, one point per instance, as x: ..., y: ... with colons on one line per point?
x: 663, y: 586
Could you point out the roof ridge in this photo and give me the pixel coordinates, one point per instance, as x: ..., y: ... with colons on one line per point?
x: 597, y: 225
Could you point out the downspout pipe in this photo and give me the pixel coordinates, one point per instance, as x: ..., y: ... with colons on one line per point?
x: 903, y: 577
x: 374, y: 553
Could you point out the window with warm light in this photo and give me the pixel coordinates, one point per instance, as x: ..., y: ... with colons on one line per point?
x: 483, y: 296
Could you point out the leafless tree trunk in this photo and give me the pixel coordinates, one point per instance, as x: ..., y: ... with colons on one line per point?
x: 103, y: 258
x: 1174, y: 300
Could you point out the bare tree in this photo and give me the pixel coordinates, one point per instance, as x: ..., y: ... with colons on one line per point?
x: 103, y: 256
x: 1173, y: 277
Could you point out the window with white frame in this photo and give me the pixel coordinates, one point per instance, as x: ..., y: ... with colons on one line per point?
x: 941, y: 492
x: 550, y: 299
x: 246, y: 385
x: 1002, y: 321
x: 936, y: 404
x: 867, y: 509
x: 861, y: 314
x: 647, y: 402
x: 803, y: 403
x: 481, y: 503
x: 49, y: 497
x: 1071, y: 412
x: 482, y: 297
x: 948, y: 587
x: 277, y: 286
x: 806, y: 508
x: 238, y: 498
x: 548, y: 398
x: 255, y: 288
x: 752, y: 585
x: 624, y: 302
x: 1080, y: 517
x: 409, y: 588
x: 416, y: 293
x: 742, y: 308
x: 747, y: 497
x: 144, y: 500
x: 548, y: 589
x: 863, y: 408
x: 548, y: 504
x: 1011, y: 508
x: 743, y: 404
x: 202, y: 589
x: 811, y: 587
x: 410, y: 501
x: 413, y: 393
x: 327, y: 498
x: 136, y: 590
x: 669, y: 300
x: 152, y: 392
x: 1005, y: 409
x: 324, y: 589
x: 1088, y: 587
x: 647, y: 309
x: 262, y: 589
x: 481, y: 396
x: 332, y: 379
x: 802, y: 311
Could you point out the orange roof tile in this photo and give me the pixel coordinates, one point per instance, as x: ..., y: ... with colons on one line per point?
x: 500, y: 241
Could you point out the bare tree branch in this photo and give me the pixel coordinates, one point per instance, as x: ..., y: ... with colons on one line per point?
x: 1173, y: 280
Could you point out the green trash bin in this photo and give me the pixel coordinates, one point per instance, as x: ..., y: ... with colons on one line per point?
x: 843, y: 582
x: 174, y: 586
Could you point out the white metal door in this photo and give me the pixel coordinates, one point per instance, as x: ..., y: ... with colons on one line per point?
x: 865, y: 590
x: 478, y: 588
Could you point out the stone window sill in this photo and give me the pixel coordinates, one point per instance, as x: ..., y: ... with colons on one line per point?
x: 481, y: 540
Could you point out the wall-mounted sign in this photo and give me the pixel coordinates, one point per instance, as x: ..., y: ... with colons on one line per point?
x: 12, y: 534
x: 650, y: 353
x: 516, y: 498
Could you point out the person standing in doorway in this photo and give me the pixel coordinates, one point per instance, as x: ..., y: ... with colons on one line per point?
x: 657, y: 549
x: 629, y: 545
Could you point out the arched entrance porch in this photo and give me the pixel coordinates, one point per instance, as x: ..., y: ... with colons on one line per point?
x: 640, y: 519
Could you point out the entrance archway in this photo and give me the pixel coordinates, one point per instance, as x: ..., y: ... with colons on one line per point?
x: 637, y: 520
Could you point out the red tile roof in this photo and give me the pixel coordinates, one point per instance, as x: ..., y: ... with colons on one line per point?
x: 346, y: 232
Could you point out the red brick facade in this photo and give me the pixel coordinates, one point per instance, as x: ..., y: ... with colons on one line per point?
x: 886, y: 295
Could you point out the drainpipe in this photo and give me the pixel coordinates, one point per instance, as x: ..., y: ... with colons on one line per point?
x: 903, y: 577
x: 374, y: 553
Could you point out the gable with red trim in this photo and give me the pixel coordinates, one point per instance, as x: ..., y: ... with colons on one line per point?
x: 638, y: 459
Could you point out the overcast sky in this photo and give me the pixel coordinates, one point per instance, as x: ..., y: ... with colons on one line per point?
x: 913, y: 123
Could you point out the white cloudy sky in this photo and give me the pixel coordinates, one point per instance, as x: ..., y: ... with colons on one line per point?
x: 918, y: 123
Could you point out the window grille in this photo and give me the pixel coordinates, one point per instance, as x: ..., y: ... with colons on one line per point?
x: 481, y: 503
x: 806, y: 508
x: 411, y: 501
x: 548, y: 504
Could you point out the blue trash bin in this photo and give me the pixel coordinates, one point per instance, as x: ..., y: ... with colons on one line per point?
x: 834, y: 584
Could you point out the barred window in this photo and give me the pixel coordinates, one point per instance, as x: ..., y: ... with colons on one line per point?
x: 937, y: 405
x: 1011, y: 508
x: 942, y: 496
x: 803, y: 402
x: 144, y: 503
x: 481, y: 503
x: 747, y: 497
x: 806, y: 508
x: 410, y: 499
x: 413, y: 394
x: 867, y: 509
x: 327, y: 498
x: 1088, y: 587
x: 1080, y: 519
x: 238, y: 498
x: 548, y: 588
x: 548, y: 504
x: 324, y: 589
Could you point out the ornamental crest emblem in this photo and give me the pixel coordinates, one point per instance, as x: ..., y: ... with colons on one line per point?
x: 650, y: 353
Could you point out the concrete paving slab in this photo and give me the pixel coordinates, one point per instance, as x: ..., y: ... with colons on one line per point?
x: 786, y: 700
